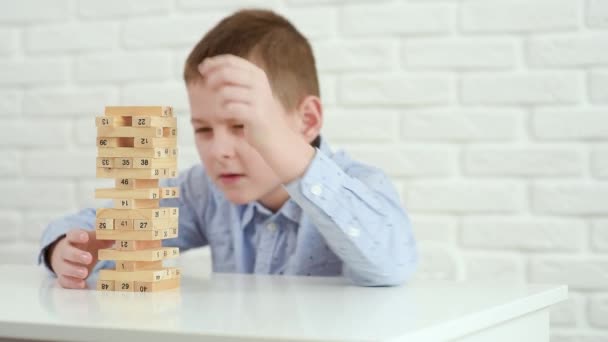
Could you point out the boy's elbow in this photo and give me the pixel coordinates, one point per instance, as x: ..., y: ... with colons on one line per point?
x: 397, y: 274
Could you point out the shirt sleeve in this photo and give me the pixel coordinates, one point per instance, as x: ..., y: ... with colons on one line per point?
x: 358, y: 212
x: 189, y: 234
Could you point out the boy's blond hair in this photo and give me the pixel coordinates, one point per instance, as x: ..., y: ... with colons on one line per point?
x: 268, y: 40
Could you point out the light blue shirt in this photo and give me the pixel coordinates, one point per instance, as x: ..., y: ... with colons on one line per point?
x: 343, y: 218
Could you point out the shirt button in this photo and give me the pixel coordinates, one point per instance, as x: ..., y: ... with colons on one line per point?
x: 316, y: 190
x: 271, y: 226
x: 352, y: 231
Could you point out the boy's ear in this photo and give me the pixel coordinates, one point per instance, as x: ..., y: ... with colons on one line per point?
x: 310, y: 113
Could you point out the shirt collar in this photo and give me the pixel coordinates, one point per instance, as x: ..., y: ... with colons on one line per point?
x: 290, y: 210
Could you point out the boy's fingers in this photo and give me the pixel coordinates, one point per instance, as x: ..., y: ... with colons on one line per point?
x: 103, y: 244
x: 237, y: 109
x: 226, y: 60
x: 231, y: 76
x: 72, y: 270
x: 239, y: 65
x: 234, y: 94
x: 71, y: 283
x: 75, y: 255
x: 77, y: 236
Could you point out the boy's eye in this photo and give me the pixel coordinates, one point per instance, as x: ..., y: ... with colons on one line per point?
x: 203, y: 130
x: 238, y: 126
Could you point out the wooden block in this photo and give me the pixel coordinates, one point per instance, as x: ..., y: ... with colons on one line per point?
x: 131, y: 245
x: 136, y: 235
x: 157, y: 152
x: 144, y: 275
x: 139, y: 111
x: 154, y: 121
x: 137, y: 214
x: 162, y: 285
x: 169, y: 172
x: 133, y: 183
x: 104, y: 223
x: 128, y: 193
x: 155, y: 224
x: 169, y: 132
x: 103, y: 121
x: 105, y: 162
x: 113, y: 121
x: 154, y: 142
x: 121, y: 132
x: 129, y: 203
x: 135, y: 173
x: 147, y: 163
x: 169, y: 192
x: 123, y: 224
x: 124, y: 285
x: 107, y: 142
x: 105, y: 285
x: 123, y: 162
x: 142, y: 255
x: 129, y: 266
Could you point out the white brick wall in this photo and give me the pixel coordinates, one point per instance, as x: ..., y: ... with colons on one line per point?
x: 490, y: 116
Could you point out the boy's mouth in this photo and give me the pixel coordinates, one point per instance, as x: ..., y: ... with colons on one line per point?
x: 230, y: 178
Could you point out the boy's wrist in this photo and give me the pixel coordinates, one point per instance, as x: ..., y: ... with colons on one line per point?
x: 289, y: 158
x: 48, y: 252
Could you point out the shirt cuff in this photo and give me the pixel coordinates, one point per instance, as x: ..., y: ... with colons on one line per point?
x: 43, y: 257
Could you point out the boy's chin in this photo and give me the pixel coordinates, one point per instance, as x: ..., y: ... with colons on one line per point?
x: 238, y: 197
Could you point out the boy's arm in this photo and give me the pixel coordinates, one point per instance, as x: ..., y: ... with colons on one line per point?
x: 189, y: 236
x: 359, y: 214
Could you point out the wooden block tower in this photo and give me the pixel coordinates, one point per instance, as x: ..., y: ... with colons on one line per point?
x: 137, y: 147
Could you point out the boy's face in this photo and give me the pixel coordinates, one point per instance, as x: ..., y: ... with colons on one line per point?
x: 233, y: 165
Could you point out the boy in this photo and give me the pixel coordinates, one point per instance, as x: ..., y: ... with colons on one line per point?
x: 271, y: 197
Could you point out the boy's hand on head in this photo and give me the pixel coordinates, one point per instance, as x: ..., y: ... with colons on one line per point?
x: 244, y: 95
x: 74, y: 256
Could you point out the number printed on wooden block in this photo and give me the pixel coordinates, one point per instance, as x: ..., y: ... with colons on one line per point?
x: 169, y: 192
x: 105, y: 162
x: 123, y: 224
x: 129, y: 266
x: 107, y: 142
x: 105, y: 285
x: 154, y: 121
x: 130, y: 203
x: 104, y: 224
x: 126, y: 183
x: 125, y: 285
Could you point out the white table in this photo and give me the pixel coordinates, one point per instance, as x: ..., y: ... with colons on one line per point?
x: 227, y: 307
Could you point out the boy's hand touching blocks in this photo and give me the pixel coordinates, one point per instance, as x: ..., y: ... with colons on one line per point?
x: 74, y: 256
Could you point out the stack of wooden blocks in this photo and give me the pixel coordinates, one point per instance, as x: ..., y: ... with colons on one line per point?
x: 137, y: 147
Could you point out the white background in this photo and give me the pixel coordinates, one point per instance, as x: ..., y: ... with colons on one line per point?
x: 489, y: 115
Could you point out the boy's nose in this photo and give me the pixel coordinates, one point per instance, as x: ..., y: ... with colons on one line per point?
x: 222, y: 146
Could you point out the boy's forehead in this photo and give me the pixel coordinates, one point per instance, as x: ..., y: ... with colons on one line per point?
x: 200, y: 101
